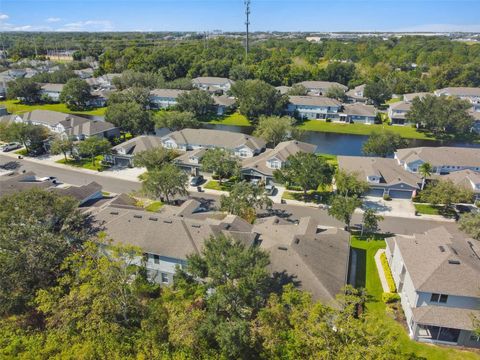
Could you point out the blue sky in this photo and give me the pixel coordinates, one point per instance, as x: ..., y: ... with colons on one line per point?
x: 228, y: 15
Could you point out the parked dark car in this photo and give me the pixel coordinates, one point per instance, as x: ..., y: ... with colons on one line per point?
x: 196, y: 180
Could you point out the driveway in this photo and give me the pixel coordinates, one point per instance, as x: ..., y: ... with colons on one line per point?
x: 394, y: 207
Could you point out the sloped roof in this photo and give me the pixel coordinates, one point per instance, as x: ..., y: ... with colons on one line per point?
x: 409, y: 97
x: 321, y: 85
x: 168, y: 93
x: 442, y: 262
x: 445, y: 316
x: 52, y: 87
x: 51, y: 118
x: 360, y: 109
x: 212, y: 80
x: 388, y: 169
x: 459, y: 91
x: 79, y: 193
x: 401, y: 106
x: 224, y: 100
x: 443, y: 155
x: 314, y: 101
x: 139, y: 144
x: 464, y: 178
x: 90, y: 128
x: 353, y: 92
x: 15, y: 183
x: 215, y: 138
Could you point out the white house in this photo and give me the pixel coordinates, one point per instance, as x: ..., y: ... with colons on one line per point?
x: 444, y: 160
x: 314, y: 107
x: 356, y: 94
x: 359, y: 113
x: 319, y: 88
x: 52, y: 91
x: 437, y: 275
x: 471, y: 94
x: 164, y: 98
x: 213, y: 84
x: 397, y: 112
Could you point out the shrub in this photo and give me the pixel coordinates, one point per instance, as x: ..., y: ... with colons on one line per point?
x: 387, y: 197
x: 389, y: 298
x: 388, y: 273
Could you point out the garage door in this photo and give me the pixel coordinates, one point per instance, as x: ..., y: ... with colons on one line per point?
x: 400, y: 194
x: 375, y: 192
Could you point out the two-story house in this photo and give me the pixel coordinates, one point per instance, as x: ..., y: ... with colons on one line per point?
x: 466, y: 179
x: 262, y: 167
x: 320, y: 88
x: 444, y: 160
x: 437, y: 275
x: 356, y: 94
x: 72, y: 126
x: 359, y: 113
x: 384, y: 176
x: 164, y: 98
x: 471, y: 94
x: 242, y: 145
x: 397, y: 112
x: 215, y: 85
x: 52, y: 91
x: 314, y: 107
x: 408, y: 98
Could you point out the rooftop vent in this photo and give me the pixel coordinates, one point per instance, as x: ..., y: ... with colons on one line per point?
x: 282, y: 248
x: 196, y: 226
x: 167, y: 221
x: 442, y: 249
x: 226, y: 226
x: 114, y: 212
x: 454, y: 262
x: 153, y: 218
x: 297, y: 241
x: 137, y: 216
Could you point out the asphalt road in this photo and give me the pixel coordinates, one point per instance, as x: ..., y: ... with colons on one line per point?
x: 395, y: 225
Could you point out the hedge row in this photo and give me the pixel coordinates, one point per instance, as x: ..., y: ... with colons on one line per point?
x: 388, y: 273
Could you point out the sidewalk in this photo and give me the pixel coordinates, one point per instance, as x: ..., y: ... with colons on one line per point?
x: 381, y: 273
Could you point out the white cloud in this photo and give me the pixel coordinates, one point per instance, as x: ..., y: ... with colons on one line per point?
x: 3, y: 17
x: 88, y: 25
x: 53, y: 19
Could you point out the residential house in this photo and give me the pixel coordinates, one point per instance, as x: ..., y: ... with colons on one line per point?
x: 471, y: 94
x: 314, y: 107
x: 10, y: 184
x: 98, y: 98
x: 191, y: 161
x: 437, y: 275
x: 242, y: 145
x: 384, y: 176
x: 443, y: 159
x: 359, y: 113
x: 52, y: 91
x: 466, y: 179
x: 283, y: 89
x: 408, y: 98
x: 216, y: 85
x: 315, y: 258
x: 262, y: 167
x: 84, y: 73
x: 123, y: 154
x: 356, y: 94
x: 168, y: 237
x: 73, y: 126
x: 85, y: 194
x: 397, y: 112
x: 224, y: 104
x: 319, y: 88
x: 164, y: 98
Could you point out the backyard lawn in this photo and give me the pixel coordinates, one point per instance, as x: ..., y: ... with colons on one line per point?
x: 215, y: 185
x: 84, y: 163
x: 235, y: 119
x: 428, y: 209
x: 367, y: 276
x: 13, y: 106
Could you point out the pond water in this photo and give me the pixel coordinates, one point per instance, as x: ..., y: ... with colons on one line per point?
x: 330, y: 143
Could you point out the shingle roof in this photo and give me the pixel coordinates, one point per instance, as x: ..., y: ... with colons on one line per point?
x: 15, y: 183
x: 444, y: 155
x: 169, y: 93
x: 360, y: 109
x: 464, y: 178
x: 442, y: 262
x: 224, y: 100
x: 314, y: 101
x: 409, y: 97
x: 321, y: 85
x: 388, y: 169
x: 401, y: 106
x: 49, y: 117
x: 52, y: 87
x: 459, y: 91
x: 215, y: 138
x: 138, y: 144
x: 89, y: 128
x: 444, y: 316
x: 353, y: 92
x: 211, y: 80
x: 281, y: 152
x: 79, y: 193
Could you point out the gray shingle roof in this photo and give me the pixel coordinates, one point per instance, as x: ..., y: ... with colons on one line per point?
x: 401, y: 106
x: 15, y: 183
x: 138, y: 144
x: 314, y: 101
x: 409, y: 97
x: 224, y: 100
x: 444, y: 155
x: 52, y: 87
x: 168, y: 93
x: 459, y: 91
x: 444, y: 316
x: 79, y: 193
x: 360, y: 109
x: 212, y: 80
x: 442, y: 262
x: 321, y: 85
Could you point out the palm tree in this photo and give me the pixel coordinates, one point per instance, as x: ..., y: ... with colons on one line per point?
x: 425, y: 170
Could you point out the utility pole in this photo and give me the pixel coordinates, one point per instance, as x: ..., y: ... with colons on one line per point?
x: 247, y: 24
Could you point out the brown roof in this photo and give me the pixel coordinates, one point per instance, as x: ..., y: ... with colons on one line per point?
x: 388, y: 169
x: 138, y: 144
x: 464, y: 178
x: 80, y: 193
x: 170, y: 93
x: 445, y: 316
x: 314, y: 101
x: 442, y: 262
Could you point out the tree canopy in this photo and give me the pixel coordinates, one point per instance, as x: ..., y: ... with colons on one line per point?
x: 383, y: 143
x: 165, y: 182
x: 176, y: 120
x: 275, y: 129
x: 222, y: 163
x: 197, y: 102
x: 76, y: 94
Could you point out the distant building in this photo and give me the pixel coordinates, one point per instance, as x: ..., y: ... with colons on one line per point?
x: 53, y: 91
x: 359, y: 113
x: 321, y: 87
x: 213, y: 84
x: 437, y: 275
x: 314, y: 107
x: 356, y: 94
x: 223, y: 104
x: 164, y: 98
x: 397, y: 112
x: 408, y: 98
x: 471, y: 94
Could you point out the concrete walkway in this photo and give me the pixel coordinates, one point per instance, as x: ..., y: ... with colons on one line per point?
x: 381, y: 273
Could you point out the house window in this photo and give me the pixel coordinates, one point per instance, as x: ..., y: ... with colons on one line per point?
x: 165, y: 279
x: 439, y: 298
x: 156, y: 259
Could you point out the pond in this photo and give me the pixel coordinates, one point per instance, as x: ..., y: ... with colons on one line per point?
x: 330, y: 143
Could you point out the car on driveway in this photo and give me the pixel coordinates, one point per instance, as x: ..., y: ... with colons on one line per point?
x: 196, y: 180
x: 270, y: 189
x: 11, y: 146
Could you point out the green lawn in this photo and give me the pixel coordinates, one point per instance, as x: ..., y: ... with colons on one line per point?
x: 428, y: 209
x: 14, y: 106
x: 367, y: 276
x: 235, y: 119
x: 407, y: 132
x: 319, y: 196
x: 154, y: 206
x: 84, y: 163
x: 331, y: 159
x: 215, y: 185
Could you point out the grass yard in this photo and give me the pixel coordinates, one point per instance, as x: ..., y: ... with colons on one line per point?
x: 215, y: 185
x: 14, y: 106
x: 407, y: 132
x: 235, y: 119
x: 84, y: 163
x: 367, y: 276
x: 330, y: 158
x: 319, y: 196
x: 154, y: 206
x: 428, y: 209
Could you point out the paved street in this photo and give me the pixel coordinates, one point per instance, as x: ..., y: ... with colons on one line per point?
x: 71, y: 176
